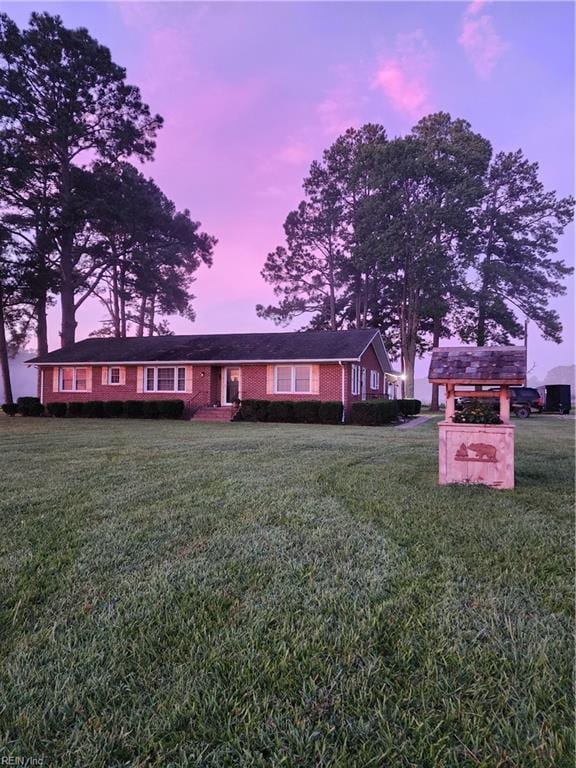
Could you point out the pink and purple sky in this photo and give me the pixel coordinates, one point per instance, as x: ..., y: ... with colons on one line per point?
x: 251, y: 93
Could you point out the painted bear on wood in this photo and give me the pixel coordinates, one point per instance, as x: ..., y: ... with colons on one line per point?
x: 484, y: 451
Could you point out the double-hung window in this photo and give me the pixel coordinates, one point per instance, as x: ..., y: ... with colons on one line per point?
x: 114, y: 375
x: 355, y: 380
x: 165, y: 379
x: 374, y: 380
x: 290, y: 379
x: 73, y: 379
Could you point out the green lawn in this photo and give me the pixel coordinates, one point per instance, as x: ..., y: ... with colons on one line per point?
x: 177, y: 594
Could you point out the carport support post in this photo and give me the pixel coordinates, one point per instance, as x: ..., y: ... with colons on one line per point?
x: 504, y: 403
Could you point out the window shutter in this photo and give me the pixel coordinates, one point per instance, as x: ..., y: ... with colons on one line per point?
x: 269, y: 379
x: 104, y: 375
x: 315, y: 379
x: 140, y: 379
x: 88, y: 379
x: 55, y: 379
x: 188, y: 386
x: 122, y: 375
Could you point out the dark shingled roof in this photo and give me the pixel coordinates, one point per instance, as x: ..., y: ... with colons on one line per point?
x: 489, y: 365
x: 226, y: 347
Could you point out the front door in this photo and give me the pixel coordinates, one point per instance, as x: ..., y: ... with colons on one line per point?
x: 230, y: 385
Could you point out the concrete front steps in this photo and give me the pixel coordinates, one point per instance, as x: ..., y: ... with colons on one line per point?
x: 222, y: 414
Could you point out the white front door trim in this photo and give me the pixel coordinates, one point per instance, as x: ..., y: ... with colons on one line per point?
x: 224, y: 382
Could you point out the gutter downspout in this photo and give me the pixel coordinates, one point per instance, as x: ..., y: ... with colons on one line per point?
x: 343, y: 390
x: 41, y: 372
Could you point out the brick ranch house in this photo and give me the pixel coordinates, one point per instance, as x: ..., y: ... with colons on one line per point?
x: 211, y: 371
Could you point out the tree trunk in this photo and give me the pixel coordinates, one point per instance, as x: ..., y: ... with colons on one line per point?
x: 365, y: 296
x: 409, y: 364
x: 484, y: 290
x: 122, y: 301
x: 67, y: 303
x: 358, y: 301
x: 409, y: 337
x: 481, y: 329
x: 41, y: 326
x: 332, y: 291
x: 435, y: 401
x: 67, y: 287
x: 152, y: 315
x: 115, y: 297
x: 410, y: 348
x: 141, y: 317
x: 4, y: 364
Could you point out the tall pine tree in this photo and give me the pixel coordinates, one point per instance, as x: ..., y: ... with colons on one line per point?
x: 66, y: 101
x: 518, y: 226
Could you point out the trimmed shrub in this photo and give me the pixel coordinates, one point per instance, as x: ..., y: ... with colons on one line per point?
x: 477, y: 413
x: 330, y: 412
x: 10, y: 409
x: 170, y: 409
x: 150, y: 409
x: 113, y: 409
x: 409, y: 406
x: 93, y: 409
x: 306, y: 411
x: 56, y: 409
x: 30, y: 406
x: 237, y: 415
x: 134, y: 409
x: 75, y: 409
x: 300, y: 411
x: 281, y: 410
x: 374, y: 413
x: 254, y: 410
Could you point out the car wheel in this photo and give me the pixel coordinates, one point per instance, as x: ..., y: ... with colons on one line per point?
x: 523, y: 412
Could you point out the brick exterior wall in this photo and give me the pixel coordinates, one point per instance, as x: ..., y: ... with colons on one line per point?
x: 206, y: 385
x: 253, y: 384
x: 200, y: 395
x: 370, y: 362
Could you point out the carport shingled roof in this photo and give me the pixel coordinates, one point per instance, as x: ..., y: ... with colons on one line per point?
x: 228, y: 347
x: 489, y: 365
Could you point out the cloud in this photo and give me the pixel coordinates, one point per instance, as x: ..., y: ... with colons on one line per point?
x: 403, y: 77
x: 276, y: 192
x: 174, y: 78
x: 338, y: 110
x: 481, y: 42
x: 294, y: 152
x: 475, y: 7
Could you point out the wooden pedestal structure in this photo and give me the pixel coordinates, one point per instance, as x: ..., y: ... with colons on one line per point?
x: 476, y: 453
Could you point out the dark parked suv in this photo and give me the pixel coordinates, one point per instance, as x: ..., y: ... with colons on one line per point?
x: 523, y: 400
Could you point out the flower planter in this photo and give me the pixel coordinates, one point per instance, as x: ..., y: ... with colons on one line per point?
x: 476, y: 454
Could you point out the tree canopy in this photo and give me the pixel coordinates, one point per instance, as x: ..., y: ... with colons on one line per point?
x: 82, y: 221
x: 424, y: 236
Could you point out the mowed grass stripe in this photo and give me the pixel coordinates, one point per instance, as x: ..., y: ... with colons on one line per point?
x: 257, y: 595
